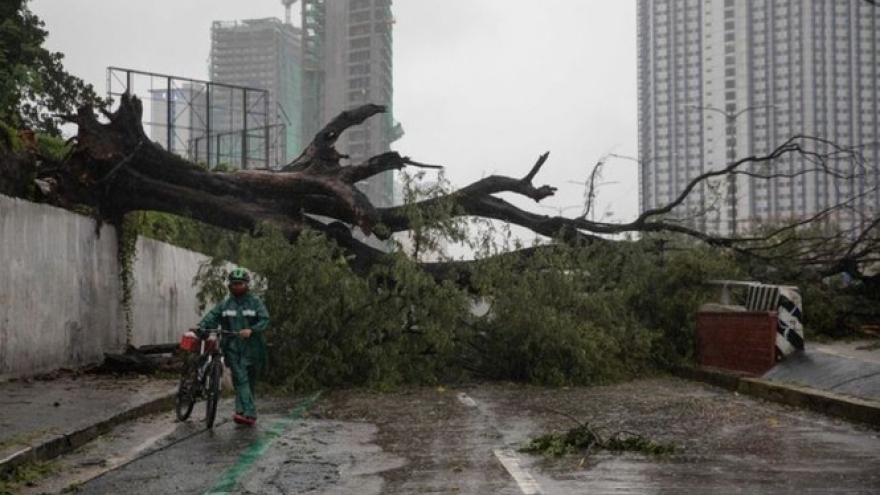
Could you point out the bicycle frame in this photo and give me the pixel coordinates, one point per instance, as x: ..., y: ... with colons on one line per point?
x: 201, y: 376
x: 210, y: 344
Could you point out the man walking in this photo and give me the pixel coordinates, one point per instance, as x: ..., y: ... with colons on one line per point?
x: 245, y: 354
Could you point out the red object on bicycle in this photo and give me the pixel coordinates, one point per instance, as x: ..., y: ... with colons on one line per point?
x: 189, y: 342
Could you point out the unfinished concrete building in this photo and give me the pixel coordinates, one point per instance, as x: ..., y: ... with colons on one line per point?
x: 263, y: 54
x: 347, y: 61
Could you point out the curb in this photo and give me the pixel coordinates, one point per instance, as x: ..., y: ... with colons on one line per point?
x: 67, y: 442
x: 822, y: 401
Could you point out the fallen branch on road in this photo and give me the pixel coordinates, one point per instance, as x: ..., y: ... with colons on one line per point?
x: 584, y: 439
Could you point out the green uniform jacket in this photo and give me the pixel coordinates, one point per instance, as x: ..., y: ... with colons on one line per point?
x: 238, y: 313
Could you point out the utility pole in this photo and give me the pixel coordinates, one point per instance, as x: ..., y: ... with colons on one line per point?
x: 730, y: 135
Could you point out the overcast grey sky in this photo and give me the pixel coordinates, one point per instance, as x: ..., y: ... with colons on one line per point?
x: 481, y: 86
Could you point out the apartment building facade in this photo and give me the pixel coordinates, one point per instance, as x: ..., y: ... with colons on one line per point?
x: 721, y: 80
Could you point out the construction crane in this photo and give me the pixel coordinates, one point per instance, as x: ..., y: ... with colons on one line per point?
x: 287, y: 4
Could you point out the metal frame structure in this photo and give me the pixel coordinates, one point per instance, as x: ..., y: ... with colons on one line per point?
x: 206, y: 122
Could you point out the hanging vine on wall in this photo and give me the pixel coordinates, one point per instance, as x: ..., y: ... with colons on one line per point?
x: 126, y: 253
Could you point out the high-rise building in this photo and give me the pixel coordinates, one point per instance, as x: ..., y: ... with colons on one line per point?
x: 720, y: 80
x: 339, y: 59
x: 263, y: 54
x: 347, y: 57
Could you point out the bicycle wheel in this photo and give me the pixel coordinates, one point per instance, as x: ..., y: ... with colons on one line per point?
x: 212, y: 391
x: 187, y: 389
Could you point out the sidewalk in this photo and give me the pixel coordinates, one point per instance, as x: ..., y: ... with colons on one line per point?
x: 846, y: 368
x: 840, y: 379
x: 41, y: 419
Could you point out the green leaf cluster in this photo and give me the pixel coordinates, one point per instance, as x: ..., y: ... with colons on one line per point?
x: 192, y: 234
x: 332, y: 327
x: 20, y: 160
x: 559, y: 315
x: 25, y: 474
x: 34, y: 86
x: 834, y: 307
x: 666, y: 286
x: 583, y: 439
x: 557, y: 320
x: 562, y: 316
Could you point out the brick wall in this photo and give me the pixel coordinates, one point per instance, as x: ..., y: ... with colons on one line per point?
x: 737, y: 341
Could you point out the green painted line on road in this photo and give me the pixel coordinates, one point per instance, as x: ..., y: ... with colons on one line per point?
x: 229, y: 479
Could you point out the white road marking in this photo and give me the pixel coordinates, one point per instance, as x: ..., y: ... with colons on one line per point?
x: 464, y: 399
x: 508, y: 459
x: 526, y: 483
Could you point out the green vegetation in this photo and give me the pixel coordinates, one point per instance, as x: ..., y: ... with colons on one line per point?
x: 34, y: 87
x: 562, y: 316
x: 126, y: 254
x: 566, y: 316
x: 333, y: 328
x: 26, y: 474
x: 835, y: 307
x: 52, y: 147
x: 24, y: 439
x: 582, y: 439
x: 191, y: 234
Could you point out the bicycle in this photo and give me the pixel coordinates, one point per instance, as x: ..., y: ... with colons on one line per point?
x: 201, y: 375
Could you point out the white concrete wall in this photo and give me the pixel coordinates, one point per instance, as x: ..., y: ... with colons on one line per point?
x: 60, y: 295
x: 164, y: 300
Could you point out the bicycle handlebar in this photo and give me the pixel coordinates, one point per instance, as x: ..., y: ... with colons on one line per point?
x: 201, y: 332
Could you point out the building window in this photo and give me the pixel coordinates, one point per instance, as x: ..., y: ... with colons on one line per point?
x: 360, y: 82
x: 359, y: 43
x: 357, y: 17
x: 359, y: 56
x: 361, y: 30
x: 359, y: 69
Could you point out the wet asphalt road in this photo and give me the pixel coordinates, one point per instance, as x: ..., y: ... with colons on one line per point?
x: 465, y: 440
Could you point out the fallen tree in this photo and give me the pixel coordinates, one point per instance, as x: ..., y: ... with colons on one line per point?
x: 115, y: 168
x: 380, y: 318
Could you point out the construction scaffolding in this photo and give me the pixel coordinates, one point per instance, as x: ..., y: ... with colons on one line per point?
x: 314, y: 20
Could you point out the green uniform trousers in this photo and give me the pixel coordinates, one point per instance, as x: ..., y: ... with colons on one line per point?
x: 244, y: 380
